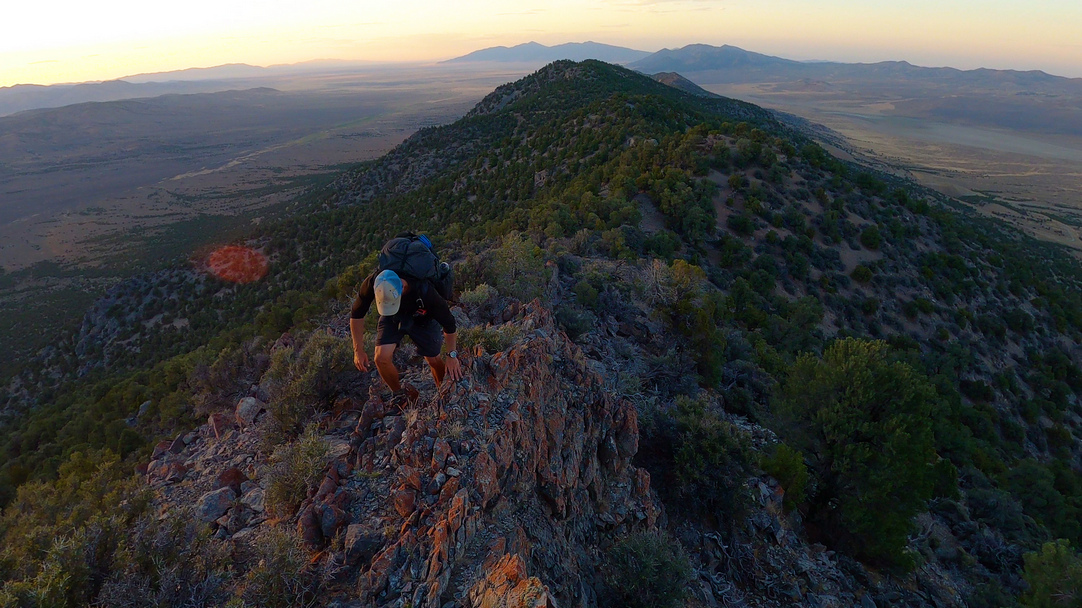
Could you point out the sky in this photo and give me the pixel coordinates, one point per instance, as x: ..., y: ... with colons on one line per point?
x: 51, y: 41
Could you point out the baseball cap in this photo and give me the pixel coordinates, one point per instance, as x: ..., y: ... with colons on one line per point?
x: 388, y: 288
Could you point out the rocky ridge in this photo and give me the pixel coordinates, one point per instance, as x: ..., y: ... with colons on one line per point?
x: 475, y: 495
x: 506, y: 489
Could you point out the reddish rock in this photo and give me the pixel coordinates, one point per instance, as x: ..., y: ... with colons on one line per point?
x: 231, y: 478
x: 326, y: 488
x: 309, y: 528
x: 373, y: 410
x: 219, y: 424
x: 507, y: 584
x: 448, y: 491
x: 440, y: 452
x: 484, y: 477
x: 161, y: 448
x: 174, y: 472
x: 410, y: 477
x: 141, y: 469
x: 404, y: 502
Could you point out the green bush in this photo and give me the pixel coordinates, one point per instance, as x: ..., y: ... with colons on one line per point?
x: 478, y: 295
x: 1054, y: 576
x: 493, y: 338
x: 587, y: 295
x: 296, y: 467
x: 520, y: 268
x: 787, y: 466
x: 280, y: 577
x: 307, y: 380
x: 866, y: 423
x: 710, y: 461
x: 861, y: 274
x: 742, y: 224
x: 870, y: 237
x: 647, y: 570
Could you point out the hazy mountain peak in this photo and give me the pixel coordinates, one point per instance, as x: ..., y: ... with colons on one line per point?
x: 535, y: 52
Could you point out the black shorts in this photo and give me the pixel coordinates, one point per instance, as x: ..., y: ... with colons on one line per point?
x: 427, y: 334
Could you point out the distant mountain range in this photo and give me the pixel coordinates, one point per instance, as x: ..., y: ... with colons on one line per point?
x: 732, y: 64
x: 532, y: 52
x: 699, y: 62
x: 233, y: 76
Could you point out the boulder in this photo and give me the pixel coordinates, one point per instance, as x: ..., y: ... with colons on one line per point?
x: 161, y: 448
x: 361, y: 545
x: 331, y: 519
x: 231, y: 478
x: 309, y: 528
x: 214, y: 504
x: 248, y: 409
x: 178, y: 445
x: 255, y: 499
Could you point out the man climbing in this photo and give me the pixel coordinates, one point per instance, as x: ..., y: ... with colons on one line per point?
x: 408, y: 306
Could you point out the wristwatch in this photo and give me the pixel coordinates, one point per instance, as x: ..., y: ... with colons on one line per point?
x: 453, y: 354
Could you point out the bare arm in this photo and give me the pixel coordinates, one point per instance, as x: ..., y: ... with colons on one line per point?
x: 356, y: 332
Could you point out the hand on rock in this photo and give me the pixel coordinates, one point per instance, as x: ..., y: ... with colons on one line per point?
x: 454, y: 369
x: 360, y: 359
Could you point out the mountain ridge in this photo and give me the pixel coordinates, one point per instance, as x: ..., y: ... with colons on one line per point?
x: 531, y: 52
x: 692, y: 259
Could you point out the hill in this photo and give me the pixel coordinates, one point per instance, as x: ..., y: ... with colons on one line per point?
x: 533, y: 52
x: 707, y: 362
x: 679, y: 82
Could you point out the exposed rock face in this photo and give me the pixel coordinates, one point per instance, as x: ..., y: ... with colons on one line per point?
x: 525, y: 433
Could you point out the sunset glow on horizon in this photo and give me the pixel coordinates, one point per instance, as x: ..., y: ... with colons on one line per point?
x: 63, y: 41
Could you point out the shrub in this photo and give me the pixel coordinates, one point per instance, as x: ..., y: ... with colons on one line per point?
x: 587, y: 295
x: 478, y: 295
x: 647, y: 570
x: 307, y: 380
x: 280, y: 577
x: 870, y: 237
x: 866, y: 424
x: 1054, y: 575
x: 861, y: 274
x: 787, y: 466
x: 741, y: 224
x: 296, y: 467
x: 492, y: 338
x: 710, y: 461
x: 520, y: 268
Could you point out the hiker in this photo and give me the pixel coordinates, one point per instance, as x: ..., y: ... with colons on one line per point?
x: 407, y: 291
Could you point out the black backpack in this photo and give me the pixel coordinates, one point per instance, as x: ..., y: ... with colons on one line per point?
x: 411, y: 255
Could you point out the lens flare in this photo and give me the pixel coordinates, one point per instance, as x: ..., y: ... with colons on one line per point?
x: 237, y: 264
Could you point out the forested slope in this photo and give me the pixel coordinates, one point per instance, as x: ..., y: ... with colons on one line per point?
x: 900, y: 374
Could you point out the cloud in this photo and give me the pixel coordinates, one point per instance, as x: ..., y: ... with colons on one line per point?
x: 45, y: 61
x: 532, y: 11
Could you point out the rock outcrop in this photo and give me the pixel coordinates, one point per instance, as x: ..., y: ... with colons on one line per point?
x: 496, y: 491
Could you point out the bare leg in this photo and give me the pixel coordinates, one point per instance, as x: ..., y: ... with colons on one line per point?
x: 385, y: 366
x: 438, y: 367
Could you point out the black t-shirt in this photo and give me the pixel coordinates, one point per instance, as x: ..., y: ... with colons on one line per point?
x: 420, y: 302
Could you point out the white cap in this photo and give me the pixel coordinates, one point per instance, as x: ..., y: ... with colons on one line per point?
x: 388, y: 288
